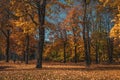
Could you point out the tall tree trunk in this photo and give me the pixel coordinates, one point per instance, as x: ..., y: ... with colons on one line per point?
x: 27, y: 48
x: 40, y: 48
x: 64, y: 46
x: 7, y: 45
x: 110, y: 50
x: 75, y: 45
x: 109, y: 43
x: 64, y: 40
x: 97, y: 53
x: 112, y: 47
x: 88, y: 43
x: 75, y: 51
x: 41, y: 14
x: 24, y: 56
x: 85, y: 37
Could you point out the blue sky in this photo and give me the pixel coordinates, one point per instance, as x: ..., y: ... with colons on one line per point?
x: 61, y: 13
x: 58, y: 15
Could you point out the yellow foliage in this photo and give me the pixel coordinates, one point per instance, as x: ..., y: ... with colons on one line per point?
x: 115, y: 31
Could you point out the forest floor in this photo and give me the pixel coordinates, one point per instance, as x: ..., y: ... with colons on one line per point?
x: 58, y: 71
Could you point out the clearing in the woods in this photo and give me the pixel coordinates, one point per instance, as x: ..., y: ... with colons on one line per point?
x: 58, y: 71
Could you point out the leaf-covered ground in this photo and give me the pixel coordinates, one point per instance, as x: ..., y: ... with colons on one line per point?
x: 58, y: 71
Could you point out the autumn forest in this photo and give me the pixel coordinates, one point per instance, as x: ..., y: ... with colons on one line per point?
x: 59, y: 35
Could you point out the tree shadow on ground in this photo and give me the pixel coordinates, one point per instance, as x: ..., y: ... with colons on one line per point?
x: 84, y: 69
x: 64, y: 64
x: 5, y: 68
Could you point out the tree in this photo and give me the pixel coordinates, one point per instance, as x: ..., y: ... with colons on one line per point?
x: 72, y: 22
x: 41, y: 8
x: 110, y: 6
x: 5, y: 24
x: 86, y: 37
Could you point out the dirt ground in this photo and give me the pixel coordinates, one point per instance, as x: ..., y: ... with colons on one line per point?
x: 58, y: 71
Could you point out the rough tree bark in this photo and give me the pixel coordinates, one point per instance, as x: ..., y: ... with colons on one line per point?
x: 41, y: 7
x: 110, y: 50
x: 86, y: 37
x: 27, y: 48
x: 97, y: 52
x: 75, y: 45
x: 109, y: 43
x: 64, y: 47
x: 7, y: 45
